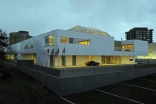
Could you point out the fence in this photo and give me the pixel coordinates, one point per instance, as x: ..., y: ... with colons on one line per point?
x: 82, y: 71
x: 48, y: 70
x: 77, y: 80
x: 101, y: 70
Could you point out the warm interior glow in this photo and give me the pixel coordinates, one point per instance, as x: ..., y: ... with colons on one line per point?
x: 51, y: 40
x: 127, y: 47
x: 150, y: 55
x: 90, y: 58
x: 64, y: 39
x: 85, y: 42
x: 10, y: 56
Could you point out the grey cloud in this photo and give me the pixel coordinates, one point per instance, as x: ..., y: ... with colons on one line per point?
x: 113, y: 16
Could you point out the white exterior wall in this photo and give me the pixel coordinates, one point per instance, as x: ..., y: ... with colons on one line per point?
x: 153, y: 50
x: 116, y: 59
x: 39, y: 43
x: 80, y: 60
x: 58, y: 61
x: 99, y: 45
x: 96, y: 58
x: 68, y: 60
x: 126, y: 59
x: 140, y: 47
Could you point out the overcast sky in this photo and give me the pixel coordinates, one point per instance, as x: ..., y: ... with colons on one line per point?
x: 112, y: 16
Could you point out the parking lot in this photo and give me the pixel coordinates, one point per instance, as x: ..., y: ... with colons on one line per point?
x: 138, y: 91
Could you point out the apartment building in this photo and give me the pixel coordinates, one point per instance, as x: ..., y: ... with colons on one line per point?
x: 16, y: 37
x: 140, y: 33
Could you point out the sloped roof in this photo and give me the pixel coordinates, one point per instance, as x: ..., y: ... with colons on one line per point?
x: 88, y: 30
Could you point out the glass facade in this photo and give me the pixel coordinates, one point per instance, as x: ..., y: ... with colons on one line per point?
x: 49, y: 40
x: 64, y: 39
x: 128, y: 47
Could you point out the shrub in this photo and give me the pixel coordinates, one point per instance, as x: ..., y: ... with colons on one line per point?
x: 6, y: 74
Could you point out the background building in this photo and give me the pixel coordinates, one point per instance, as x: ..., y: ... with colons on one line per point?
x: 19, y: 36
x: 140, y: 33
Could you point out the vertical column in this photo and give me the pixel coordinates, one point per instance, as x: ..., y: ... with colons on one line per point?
x: 52, y: 61
x: 90, y: 58
x: 63, y: 60
x: 74, y: 60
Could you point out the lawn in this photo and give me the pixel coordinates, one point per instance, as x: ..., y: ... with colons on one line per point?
x: 23, y: 89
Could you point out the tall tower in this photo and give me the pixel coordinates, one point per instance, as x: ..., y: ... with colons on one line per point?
x: 140, y: 33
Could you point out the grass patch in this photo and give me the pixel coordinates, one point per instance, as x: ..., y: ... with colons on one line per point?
x: 23, y: 89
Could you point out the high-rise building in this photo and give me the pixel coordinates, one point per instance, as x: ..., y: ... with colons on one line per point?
x: 19, y: 36
x: 140, y: 33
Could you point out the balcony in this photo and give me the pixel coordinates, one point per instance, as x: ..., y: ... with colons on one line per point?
x: 123, y: 49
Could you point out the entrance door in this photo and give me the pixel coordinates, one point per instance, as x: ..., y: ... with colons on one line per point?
x: 105, y: 59
x: 102, y: 59
x: 108, y: 59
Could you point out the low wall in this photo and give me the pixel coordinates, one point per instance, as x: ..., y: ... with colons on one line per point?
x: 76, y: 83
x: 84, y: 83
x: 146, y: 60
x: 25, y: 61
x: 52, y: 71
x: 64, y: 73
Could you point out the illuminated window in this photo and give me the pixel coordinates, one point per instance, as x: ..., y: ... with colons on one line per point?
x: 49, y: 40
x: 128, y: 47
x: 86, y: 42
x: 64, y: 39
x: 150, y: 51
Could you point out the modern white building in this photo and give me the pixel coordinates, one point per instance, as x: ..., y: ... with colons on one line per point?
x: 151, y: 52
x: 81, y: 44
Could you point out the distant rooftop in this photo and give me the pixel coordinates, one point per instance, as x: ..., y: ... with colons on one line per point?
x: 88, y: 30
x: 140, y: 28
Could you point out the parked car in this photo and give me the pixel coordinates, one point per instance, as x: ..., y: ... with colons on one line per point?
x: 141, y: 63
x: 92, y: 63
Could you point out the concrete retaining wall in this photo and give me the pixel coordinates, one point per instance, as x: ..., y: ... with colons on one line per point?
x: 146, y: 60
x: 100, y: 70
x: 84, y: 83
x: 94, y: 78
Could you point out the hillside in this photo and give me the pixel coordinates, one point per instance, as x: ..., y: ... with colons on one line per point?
x: 23, y: 89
